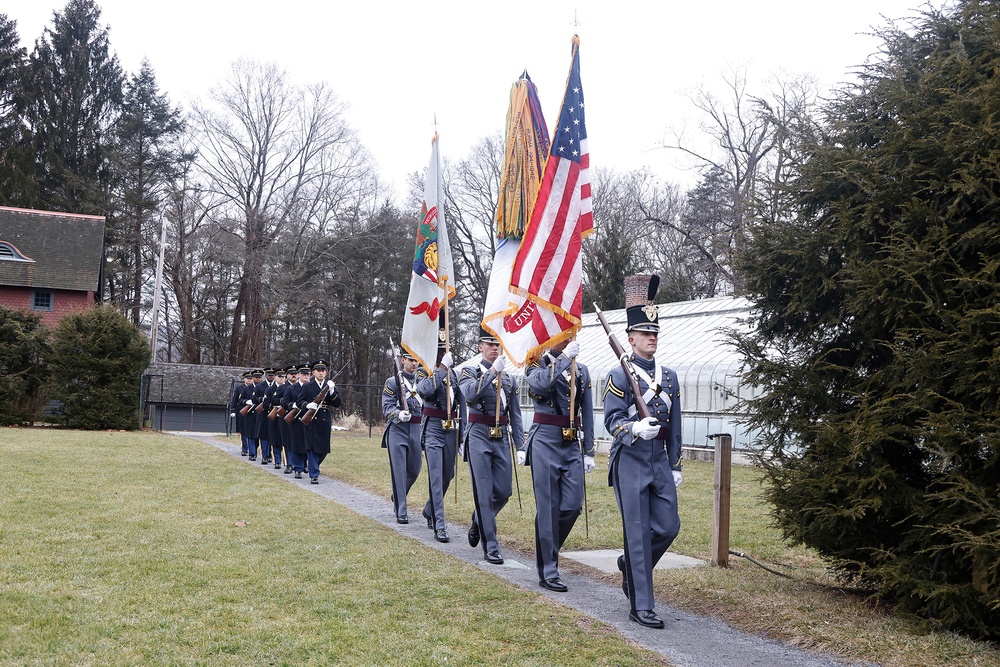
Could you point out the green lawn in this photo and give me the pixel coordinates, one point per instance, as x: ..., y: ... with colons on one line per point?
x: 122, y: 549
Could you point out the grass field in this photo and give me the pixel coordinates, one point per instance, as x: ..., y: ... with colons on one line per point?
x: 123, y: 549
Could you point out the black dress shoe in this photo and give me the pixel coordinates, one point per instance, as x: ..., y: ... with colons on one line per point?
x: 621, y: 568
x: 298, y: 475
x: 253, y: 458
x: 430, y: 520
x: 494, y: 557
x: 554, y: 584
x: 314, y: 480
x: 288, y: 470
x: 474, y: 532
x: 402, y: 518
x: 243, y: 453
x: 646, y: 618
x: 277, y: 466
x: 441, y: 535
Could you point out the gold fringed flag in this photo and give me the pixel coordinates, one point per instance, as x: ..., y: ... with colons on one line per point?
x: 527, y: 146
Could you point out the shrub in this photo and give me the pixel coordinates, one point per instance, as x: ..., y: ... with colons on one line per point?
x: 98, y: 357
x: 23, y: 367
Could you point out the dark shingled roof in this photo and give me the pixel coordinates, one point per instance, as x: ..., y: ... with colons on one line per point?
x: 66, y: 249
x: 191, y: 383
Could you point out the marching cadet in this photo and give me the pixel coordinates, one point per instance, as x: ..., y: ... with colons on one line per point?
x: 488, y: 441
x: 235, y: 405
x: 317, y: 431
x: 250, y: 421
x: 274, y: 422
x: 265, y: 390
x: 402, y: 431
x: 645, y: 460
x: 553, y: 452
x: 440, y: 432
x: 294, y: 402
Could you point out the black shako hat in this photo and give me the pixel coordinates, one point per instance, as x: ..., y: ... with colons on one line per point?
x: 486, y: 337
x: 642, y: 313
x: 258, y: 372
x: 320, y: 365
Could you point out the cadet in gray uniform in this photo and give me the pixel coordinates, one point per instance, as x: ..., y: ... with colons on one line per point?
x: 402, y: 432
x: 553, y: 452
x: 487, y: 441
x: 645, y: 459
x: 439, y: 437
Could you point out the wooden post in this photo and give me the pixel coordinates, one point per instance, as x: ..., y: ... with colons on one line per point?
x: 720, y: 513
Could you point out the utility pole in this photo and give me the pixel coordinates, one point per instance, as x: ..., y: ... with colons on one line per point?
x: 155, y: 326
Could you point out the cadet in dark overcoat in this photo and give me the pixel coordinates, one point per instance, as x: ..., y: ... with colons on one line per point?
x: 317, y: 432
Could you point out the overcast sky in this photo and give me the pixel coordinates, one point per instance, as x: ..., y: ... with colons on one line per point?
x: 399, y: 63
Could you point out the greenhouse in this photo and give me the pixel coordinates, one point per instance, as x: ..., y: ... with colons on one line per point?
x: 691, y: 342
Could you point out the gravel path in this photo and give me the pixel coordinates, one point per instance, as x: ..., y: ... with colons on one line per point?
x: 688, y: 640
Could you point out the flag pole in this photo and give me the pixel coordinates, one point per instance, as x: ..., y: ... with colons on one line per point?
x: 572, y: 426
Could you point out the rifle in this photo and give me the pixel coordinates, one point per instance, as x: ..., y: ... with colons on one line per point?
x: 400, y: 399
x: 633, y: 380
x: 307, y: 417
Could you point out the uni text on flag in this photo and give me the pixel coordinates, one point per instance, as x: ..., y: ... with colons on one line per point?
x: 432, y: 279
x: 548, y: 268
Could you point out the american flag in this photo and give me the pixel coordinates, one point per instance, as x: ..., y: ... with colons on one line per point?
x: 548, y: 268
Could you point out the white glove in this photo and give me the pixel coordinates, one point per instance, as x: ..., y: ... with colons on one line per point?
x: 588, y: 464
x: 232, y: 414
x: 446, y: 360
x: 249, y: 402
x: 404, y: 415
x: 521, y: 457
x: 331, y: 385
x: 498, y: 365
x: 295, y: 406
x: 677, y: 477
x: 572, y: 349
x: 645, y: 429
x: 312, y: 406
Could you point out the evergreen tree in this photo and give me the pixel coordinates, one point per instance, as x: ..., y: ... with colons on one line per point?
x: 878, y: 312
x: 100, y: 357
x: 23, y: 366
x: 143, y: 163
x: 73, y: 92
x: 12, y: 155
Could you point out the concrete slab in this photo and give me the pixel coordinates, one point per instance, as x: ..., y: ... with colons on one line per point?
x: 606, y: 560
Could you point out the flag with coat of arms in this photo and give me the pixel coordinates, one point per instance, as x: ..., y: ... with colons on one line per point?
x: 432, y: 279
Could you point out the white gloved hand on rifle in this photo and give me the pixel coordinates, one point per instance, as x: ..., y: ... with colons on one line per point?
x: 678, y: 478
x: 249, y: 402
x: 645, y: 429
x: 232, y: 414
x: 446, y: 360
x: 404, y: 415
x: 572, y: 349
x: 331, y: 385
x: 312, y: 406
x: 521, y: 457
x: 588, y: 464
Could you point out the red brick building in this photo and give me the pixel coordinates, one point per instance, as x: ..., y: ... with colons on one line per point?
x: 50, y: 263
